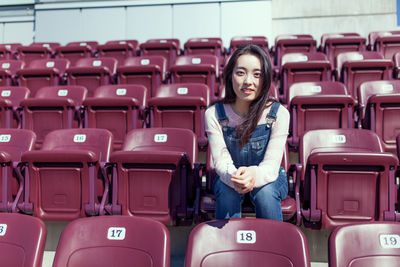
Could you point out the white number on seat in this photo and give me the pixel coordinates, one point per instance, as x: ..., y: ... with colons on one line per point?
x: 116, y: 233
x: 121, y: 91
x: 96, y: 63
x: 79, y: 138
x: 246, y: 237
x: 196, y: 60
x: 390, y: 241
x: 160, y: 138
x: 62, y: 92
x: 386, y: 88
x: 50, y: 64
x: 145, y: 62
x: 339, y: 139
x: 5, y: 65
x: 315, y: 89
x: 3, y: 229
x: 6, y: 93
x: 182, y: 91
x: 5, y: 138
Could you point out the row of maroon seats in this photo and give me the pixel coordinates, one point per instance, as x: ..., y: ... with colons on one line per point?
x: 121, y: 240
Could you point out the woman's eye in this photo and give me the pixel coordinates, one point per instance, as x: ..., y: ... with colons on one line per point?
x: 240, y: 73
x: 257, y: 74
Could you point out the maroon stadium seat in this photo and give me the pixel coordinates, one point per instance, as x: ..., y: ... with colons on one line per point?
x: 74, y: 51
x: 154, y: 175
x: 149, y: 71
x: 238, y: 41
x: 53, y: 108
x: 9, y: 51
x: 43, y: 72
x: 319, y: 105
x: 346, y: 178
x: 13, y: 142
x: 379, y: 110
x: 8, y: 71
x: 41, y: 50
x: 385, y: 42
x: 181, y: 105
x: 168, y: 48
x: 65, y: 179
x: 246, y: 242
x: 22, y: 240
x: 92, y: 73
x: 119, y: 49
x: 113, y: 241
x: 206, y: 46
x: 303, y: 67
x: 117, y: 108
x: 365, y: 244
x: 10, y: 111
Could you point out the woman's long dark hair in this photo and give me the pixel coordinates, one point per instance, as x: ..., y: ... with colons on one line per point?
x: 257, y: 106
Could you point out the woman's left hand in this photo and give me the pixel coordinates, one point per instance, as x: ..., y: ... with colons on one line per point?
x: 244, y: 179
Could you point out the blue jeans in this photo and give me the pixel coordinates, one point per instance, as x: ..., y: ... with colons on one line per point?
x: 266, y: 199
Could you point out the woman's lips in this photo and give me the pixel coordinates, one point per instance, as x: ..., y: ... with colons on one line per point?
x: 247, y: 91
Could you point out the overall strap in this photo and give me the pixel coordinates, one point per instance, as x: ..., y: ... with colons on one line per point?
x: 221, y: 112
x: 271, y: 117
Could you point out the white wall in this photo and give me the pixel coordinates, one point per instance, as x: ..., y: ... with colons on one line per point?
x: 142, y: 20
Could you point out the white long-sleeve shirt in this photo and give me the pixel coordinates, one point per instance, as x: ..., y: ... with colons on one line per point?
x: 267, y: 170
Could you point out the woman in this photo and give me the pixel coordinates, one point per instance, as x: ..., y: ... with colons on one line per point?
x: 247, y: 133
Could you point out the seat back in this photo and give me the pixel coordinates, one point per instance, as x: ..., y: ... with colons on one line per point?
x: 379, y: 111
x: 117, y: 108
x: 303, y: 67
x: 52, y: 108
x: 386, y: 43
x: 119, y: 49
x: 334, y: 43
x: 319, y: 105
x: 149, y: 71
x: 255, y: 242
x: 22, y: 240
x: 43, y: 72
x: 13, y: 142
x: 355, y: 68
x: 92, y: 73
x: 181, y: 105
x: 347, y: 178
x: 154, y: 175
x: 40, y: 50
x: 205, y: 46
x: 74, y: 51
x: 8, y: 71
x: 365, y: 244
x: 196, y: 69
x: 169, y: 48
x: 64, y: 180
x: 9, y: 51
x: 10, y: 99
x: 238, y: 41
x: 113, y: 241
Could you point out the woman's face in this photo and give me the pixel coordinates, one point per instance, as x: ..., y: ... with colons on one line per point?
x: 247, y: 78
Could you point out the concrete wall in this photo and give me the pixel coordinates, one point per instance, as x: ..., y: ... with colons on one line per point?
x: 54, y: 20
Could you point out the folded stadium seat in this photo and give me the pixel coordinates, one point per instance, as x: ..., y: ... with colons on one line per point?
x: 385, y: 42
x: 43, y: 72
x: 396, y: 70
x: 334, y: 43
x: 13, y: 142
x: 9, y: 51
x: 318, y: 105
x: 238, y: 41
x: 379, y: 110
x: 274, y: 91
x: 22, y: 240
x: 92, y: 73
x: 119, y: 49
x: 206, y: 46
x: 365, y: 244
x: 156, y: 175
x: 197, y: 69
x: 74, y: 51
x: 8, y: 71
x: 246, y: 242
x: 291, y: 43
x: 208, y: 202
x: 150, y: 71
x: 354, y: 68
x: 117, y: 108
x: 169, y: 48
x: 181, y: 105
x: 36, y: 51
x: 344, y: 177
x: 66, y: 179
x: 303, y: 67
x: 10, y: 111
x: 52, y: 108
x: 113, y: 241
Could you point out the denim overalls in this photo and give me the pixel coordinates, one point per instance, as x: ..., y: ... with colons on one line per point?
x: 267, y: 199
